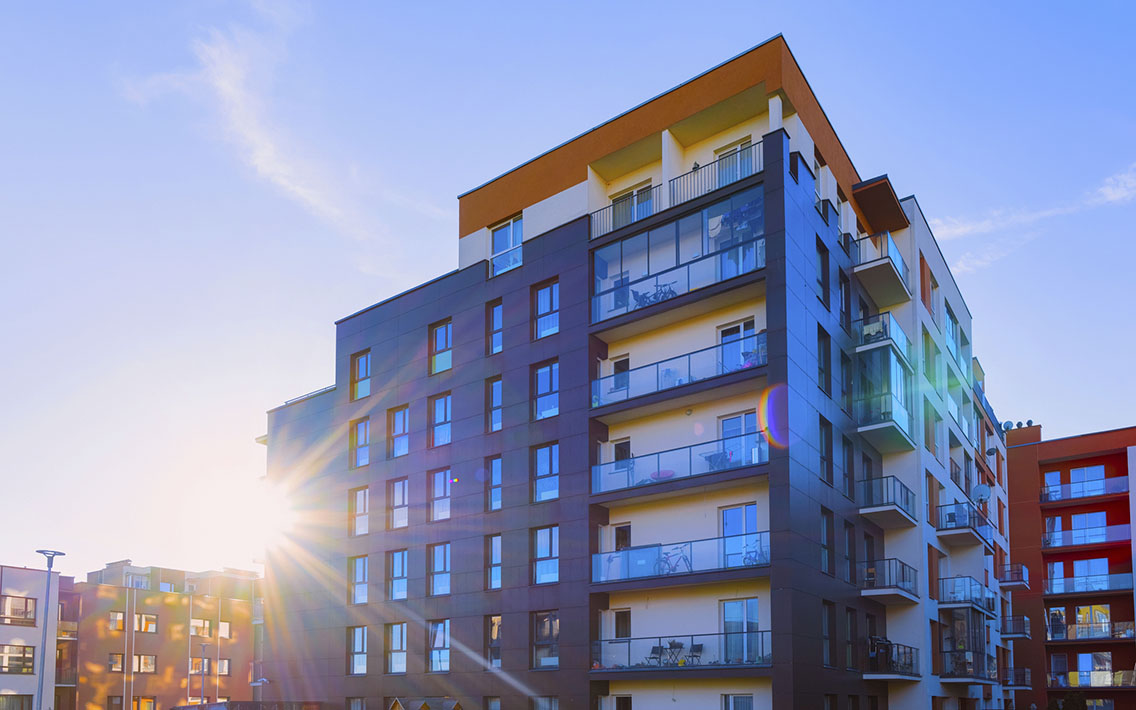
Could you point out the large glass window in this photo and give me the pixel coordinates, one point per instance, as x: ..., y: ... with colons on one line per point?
x: 493, y: 483
x: 438, y: 642
x: 546, y: 639
x: 495, y: 327
x: 396, y: 566
x: 398, y: 503
x: 441, y: 346
x: 360, y: 442
x: 493, y: 403
x: 740, y: 627
x: 358, y: 511
x: 546, y: 555
x: 146, y: 623
x: 356, y: 650
x: 546, y: 472
x: 19, y: 660
x: 396, y: 647
x: 440, y: 495
x: 398, y: 431
x: 546, y: 310
x: 441, y: 414
x: 145, y: 663
x: 546, y: 390
x: 17, y: 611
x: 493, y: 560
x: 439, y: 556
x: 506, y: 244
x: 493, y: 641
x: 361, y: 375
x: 357, y: 569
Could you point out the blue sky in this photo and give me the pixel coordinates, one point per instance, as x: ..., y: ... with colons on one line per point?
x: 191, y: 193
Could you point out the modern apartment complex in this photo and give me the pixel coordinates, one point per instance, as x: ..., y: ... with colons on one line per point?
x: 695, y: 421
x: 24, y: 610
x: 1071, y: 508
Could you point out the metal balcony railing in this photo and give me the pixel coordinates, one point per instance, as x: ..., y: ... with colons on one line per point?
x: 1085, y: 489
x: 678, y: 652
x: 67, y: 630
x: 1017, y: 677
x: 887, y: 658
x: 878, y: 247
x: 626, y: 210
x: 1089, y: 583
x: 722, y: 172
x: 888, y: 490
x: 890, y: 573
x: 1092, y: 679
x: 1087, y: 536
x: 684, y: 462
x: 958, y: 516
x: 1015, y: 625
x: 969, y: 664
x: 880, y: 328
x: 1101, y: 630
x: 1014, y: 573
x: 883, y: 408
x: 66, y: 676
x: 966, y: 590
x: 679, y: 558
x: 722, y: 359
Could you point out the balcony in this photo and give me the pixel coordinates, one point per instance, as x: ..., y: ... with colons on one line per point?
x: 66, y: 676
x: 891, y: 661
x: 960, y: 524
x: 885, y: 421
x: 1093, y: 583
x: 880, y: 329
x: 968, y: 667
x: 889, y: 581
x: 722, y: 172
x: 1092, y: 679
x: 1015, y: 627
x: 723, y: 359
x: 626, y: 210
x: 956, y: 592
x: 688, y: 461
x: 1117, y: 485
x: 67, y: 630
x: 1099, y: 631
x: 731, y: 260
x: 1105, y: 535
x: 881, y: 269
x: 1017, y: 679
x: 1014, y: 576
x: 887, y: 502
x: 683, y: 653
x: 676, y: 559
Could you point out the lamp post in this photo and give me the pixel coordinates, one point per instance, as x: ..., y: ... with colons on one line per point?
x: 50, y: 555
x: 203, y: 646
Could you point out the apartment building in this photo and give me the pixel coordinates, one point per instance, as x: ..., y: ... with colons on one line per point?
x: 1071, y: 512
x: 695, y: 421
x: 24, y: 611
x: 152, y: 638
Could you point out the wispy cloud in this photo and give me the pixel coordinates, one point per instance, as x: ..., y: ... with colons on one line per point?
x: 989, y: 252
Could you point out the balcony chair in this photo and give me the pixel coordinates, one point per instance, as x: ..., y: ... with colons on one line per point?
x: 655, y: 658
x: 694, y: 655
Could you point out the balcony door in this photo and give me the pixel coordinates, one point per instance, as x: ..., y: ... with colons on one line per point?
x: 741, y: 641
x: 631, y: 206
x: 738, y: 347
x: 735, y: 163
x: 738, y: 441
x: 1088, y: 528
x: 739, y: 541
x: 1094, y: 621
x: 1084, y: 482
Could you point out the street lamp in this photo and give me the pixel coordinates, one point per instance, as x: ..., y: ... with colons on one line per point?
x: 203, y: 645
x: 50, y: 555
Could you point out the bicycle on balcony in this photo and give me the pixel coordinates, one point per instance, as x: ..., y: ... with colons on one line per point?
x: 663, y: 292
x: 673, y: 561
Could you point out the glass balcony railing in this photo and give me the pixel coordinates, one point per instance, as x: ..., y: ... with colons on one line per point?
x: 1087, y: 536
x: 1015, y: 626
x: 889, y: 490
x: 1014, y: 573
x: 726, y: 263
x: 883, y: 409
x: 66, y: 676
x: 723, y: 359
x: 966, y: 590
x: 1092, y: 679
x: 1017, y: 677
x: 1085, y: 489
x: 505, y: 261
x: 67, y: 630
x: 959, y: 516
x: 887, y: 658
x: 877, y: 247
x: 679, y: 558
x: 881, y: 328
x: 1101, y: 630
x: 969, y: 664
x: 680, y: 652
x: 695, y: 460
x: 1089, y: 583
x: 888, y: 574
x: 722, y: 172
x: 623, y: 211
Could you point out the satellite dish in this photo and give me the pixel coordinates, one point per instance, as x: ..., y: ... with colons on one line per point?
x: 1007, y: 425
x: 991, y: 451
x: 980, y: 493
x: 1029, y: 422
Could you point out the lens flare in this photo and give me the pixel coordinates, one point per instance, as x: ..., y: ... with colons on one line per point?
x: 772, y: 407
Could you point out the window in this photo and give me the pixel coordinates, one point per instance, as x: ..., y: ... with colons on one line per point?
x: 396, y: 573
x: 224, y: 666
x: 146, y: 623
x: 546, y: 702
x: 828, y: 639
x: 441, y: 415
x: 139, y: 703
x: 145, y: 663
x: 825, y: 443
x: 506, y: 244
x: 166, y: 587
x: 621, y: 376
x: 546, y: 472
x: 824, y: 361
x: 398, y: 503
x: 358, y: 511
x: 845, y: 382
x: 495, y: 322
x: 114, y: 702
x: 822, y: 272
x: 199, y: 666
x: 441, y: 346
x: 493, y: 404
x: 17, y: 611
x: 850, y: 638
x: 546, y: 639
x: 361, y: 375
x: 827, y: 558
x: 398, y: 428
x: 930, y: 360
x: 492, y: 703
x: 396, y: 647
x: 438, y: 643
x: 845, y: 301
x: 849, y: 453
x: 357, y: 569
x: 440, y: 495
x: 356, y: 650
x: 354, y: 703
x: 114, y: 662
x: 849, y: 571
x: 546, y: 390
x: 117, y: 621
x: 493, y: 641
x: 439, y: 568
x: 546, y: 555
x: 623, y: 624
x: 360, y: 442
x: 546, y: 310
x: 739, y: 702
x: 928, y: 288
x: 493, y: 483
x: 493, y: 557
x: 17, y: 660
x: 138, y: 581
x: 201, y: 627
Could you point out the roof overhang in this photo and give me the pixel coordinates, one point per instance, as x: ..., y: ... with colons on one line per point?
x: 877, y: 200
